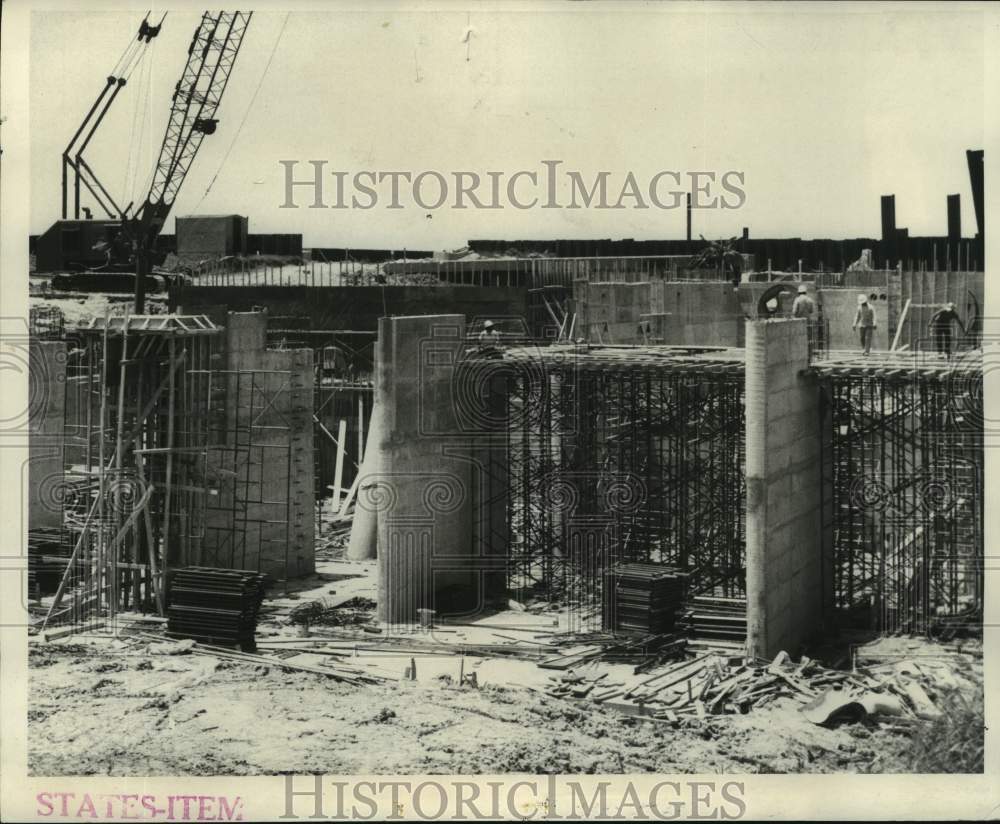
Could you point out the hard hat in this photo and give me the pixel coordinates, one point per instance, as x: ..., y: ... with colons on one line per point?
x: 488, y: 324
x: 862, y: 298
x: 950, y: 305
x: 802, y: 290
x: 772, y: 304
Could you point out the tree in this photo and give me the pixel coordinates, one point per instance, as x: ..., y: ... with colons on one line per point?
x: 722, y: 256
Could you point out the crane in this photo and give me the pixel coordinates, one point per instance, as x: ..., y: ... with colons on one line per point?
x: 197, y: 95
x: 72, y: 157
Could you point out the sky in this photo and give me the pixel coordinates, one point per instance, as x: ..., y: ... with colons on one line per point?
x: 822, y: 108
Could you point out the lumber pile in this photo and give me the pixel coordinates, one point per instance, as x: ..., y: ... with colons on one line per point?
x: 215, y: 605
x: 642, y: 598
x: 709, y: 617
x: 333, y: 536
x: 711, y: 684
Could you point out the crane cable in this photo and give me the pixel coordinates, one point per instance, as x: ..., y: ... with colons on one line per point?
x: 132, y: 58
x: 139, y: 116
x: 246, y: 114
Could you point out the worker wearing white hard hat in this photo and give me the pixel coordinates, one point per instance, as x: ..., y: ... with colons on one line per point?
x: 803, y: 306
x: 489, y: 338
x: 865, y: 323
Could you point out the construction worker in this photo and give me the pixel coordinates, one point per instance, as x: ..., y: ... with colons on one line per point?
x: 865, y: 323
x: 804, y: 306
x: 940, y: 325
x: 489, y: 338
x: 771, y: 307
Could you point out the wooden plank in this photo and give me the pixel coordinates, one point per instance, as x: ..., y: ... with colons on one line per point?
x: 329, y: 435
x: 338, y: 473
x: 349, y: 499
x: 361, y: 427
x: 899, y: 326
x: 687, y: 669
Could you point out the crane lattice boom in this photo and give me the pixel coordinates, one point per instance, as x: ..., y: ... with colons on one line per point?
x: 196, y: 99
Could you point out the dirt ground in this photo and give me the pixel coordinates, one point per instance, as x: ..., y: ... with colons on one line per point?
x: 97, y: 709
x: 141, y: 706
x: 99, y: 706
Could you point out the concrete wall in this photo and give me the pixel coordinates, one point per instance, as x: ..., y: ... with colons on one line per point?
x: 888, y: 292
x: 677, y: 312
x: 611, y: 312
x: 927, y: 291
x: 429, y: 482
x: 839, y: 306
x: 264, y: 472
x: 702, y: 313
x: 287, y: 485
x: 784, y: 492
x: 353, y: 307
x: 836, y: 307
x: 561, y: 271
x: 692, y: 313
x: 46, y: 419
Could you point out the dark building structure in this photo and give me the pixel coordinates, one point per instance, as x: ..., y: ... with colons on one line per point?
x: 211, y: 235
x: 75, y: 245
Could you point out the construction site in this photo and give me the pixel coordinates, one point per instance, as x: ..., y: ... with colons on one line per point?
x: 539, y: 506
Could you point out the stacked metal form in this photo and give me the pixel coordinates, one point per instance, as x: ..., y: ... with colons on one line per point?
x: 48, y: 554
x: 722, y: 619
x: 217, y: 606
x: 643, y: 598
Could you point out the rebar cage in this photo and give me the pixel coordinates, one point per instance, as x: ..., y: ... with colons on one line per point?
x: 165, y: 458
x: 136, y: 429
x: 619, y: 460
x: 903, y: 467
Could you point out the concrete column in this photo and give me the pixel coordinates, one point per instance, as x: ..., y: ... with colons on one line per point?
x: 245, y: 339
x: 784, y: 490
x: 288, y: 483
x: 276, y: 476
x: 424, y: 497
x: 491, y: 538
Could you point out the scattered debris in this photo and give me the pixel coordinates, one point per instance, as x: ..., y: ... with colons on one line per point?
x: 320, y: 612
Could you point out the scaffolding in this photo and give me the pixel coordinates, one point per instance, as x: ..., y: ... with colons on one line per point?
x: 903, y: 472
x: 136, y: 430
x: 165, y: 461
x: 625, y: 455
x: 46, y: 322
